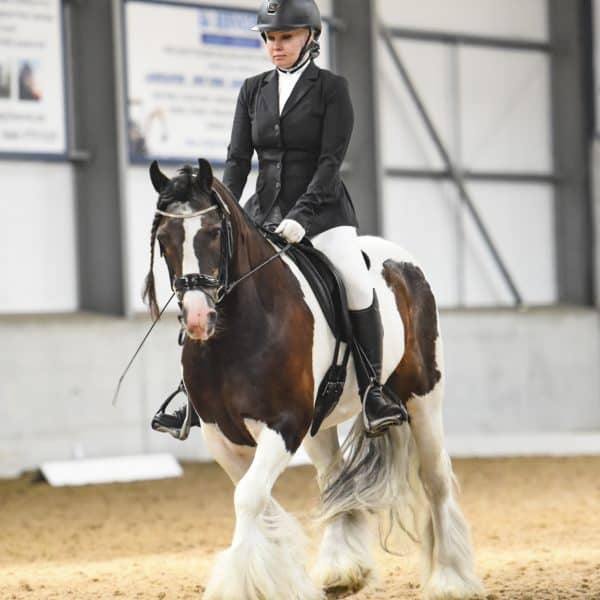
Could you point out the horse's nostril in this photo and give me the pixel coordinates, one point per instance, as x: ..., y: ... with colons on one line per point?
x: 211, y: 318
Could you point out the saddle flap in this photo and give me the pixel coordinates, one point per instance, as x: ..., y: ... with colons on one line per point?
x: 330, y: 390
x: 324, y: 281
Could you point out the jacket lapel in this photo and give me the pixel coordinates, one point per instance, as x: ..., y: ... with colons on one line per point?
x: 270, y: 92
x: 306, y: 81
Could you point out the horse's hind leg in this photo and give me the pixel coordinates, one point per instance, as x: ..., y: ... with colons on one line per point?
x: 418, y: 380
x: 344, y: 560
x: 265, y: 560
x: 445, y: 537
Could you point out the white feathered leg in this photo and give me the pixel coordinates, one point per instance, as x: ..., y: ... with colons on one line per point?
x: 344, y: 560
x: 266, y: 558
x: 452, y: 573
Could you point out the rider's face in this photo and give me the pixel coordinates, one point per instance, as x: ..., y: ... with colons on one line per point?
x: 284, y: 46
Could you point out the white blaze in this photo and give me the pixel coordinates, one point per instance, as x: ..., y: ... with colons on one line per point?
x: 195, y: 303
x: 190, y: 262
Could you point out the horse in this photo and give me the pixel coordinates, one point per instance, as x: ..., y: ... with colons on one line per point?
x: 256, y: 347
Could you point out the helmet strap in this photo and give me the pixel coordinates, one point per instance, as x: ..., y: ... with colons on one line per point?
x: 296, y: 67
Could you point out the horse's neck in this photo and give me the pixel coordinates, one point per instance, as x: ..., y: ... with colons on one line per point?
x: 257, y: 307
x: 251, y: 307
x: 257, y: 291
x: 250, y: 248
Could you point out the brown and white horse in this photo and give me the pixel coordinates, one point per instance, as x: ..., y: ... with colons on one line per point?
x: 256, y: 350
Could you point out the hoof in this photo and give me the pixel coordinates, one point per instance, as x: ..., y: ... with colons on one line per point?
x: 446, y: 584
x: 338, y: 593
x: 338, y: 581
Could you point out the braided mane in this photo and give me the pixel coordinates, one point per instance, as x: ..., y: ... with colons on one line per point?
x: 149, y: 293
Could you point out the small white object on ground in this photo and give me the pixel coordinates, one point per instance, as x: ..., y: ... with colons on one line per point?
x: 110, y: 470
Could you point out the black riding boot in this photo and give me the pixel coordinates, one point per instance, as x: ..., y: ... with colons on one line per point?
x: 379, y: 412
x: 177, y: 423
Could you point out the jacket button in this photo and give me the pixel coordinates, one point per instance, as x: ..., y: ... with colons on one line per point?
x: 279, y: 165
x: 276, y: 128
x: 277, y: 185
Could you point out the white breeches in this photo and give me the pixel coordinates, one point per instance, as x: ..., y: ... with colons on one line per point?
x: 340, y: 246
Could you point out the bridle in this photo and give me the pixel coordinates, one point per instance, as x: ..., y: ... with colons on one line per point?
x: 219, y: 285
x: 198, y: 281
x: 217, y: 288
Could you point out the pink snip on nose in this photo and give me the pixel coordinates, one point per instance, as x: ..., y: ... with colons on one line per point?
x: 197, y: 314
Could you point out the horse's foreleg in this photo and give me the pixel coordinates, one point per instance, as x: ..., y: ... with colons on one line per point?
x: 446, y: 540
x: 233, y: 459
x: 265, y: 560
x: 344, y: 560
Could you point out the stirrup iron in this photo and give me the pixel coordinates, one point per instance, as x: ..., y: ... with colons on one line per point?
x: 179, y: 434
x: 377, y: 427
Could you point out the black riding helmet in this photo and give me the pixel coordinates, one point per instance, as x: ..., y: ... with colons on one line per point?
x: 281, y: 15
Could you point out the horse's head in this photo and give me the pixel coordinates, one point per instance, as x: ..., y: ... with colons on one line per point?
x: 191, y: 225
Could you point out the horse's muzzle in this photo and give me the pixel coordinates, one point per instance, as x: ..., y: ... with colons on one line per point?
x: 199, y: 315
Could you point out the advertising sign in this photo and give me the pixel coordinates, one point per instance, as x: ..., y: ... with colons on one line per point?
x: 185, y: 66
x: 32, y: 89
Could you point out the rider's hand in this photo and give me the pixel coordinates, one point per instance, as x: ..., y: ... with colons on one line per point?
x: 291, y: 230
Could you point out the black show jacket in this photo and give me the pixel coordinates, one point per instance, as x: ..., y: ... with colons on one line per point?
x: 299, y: 152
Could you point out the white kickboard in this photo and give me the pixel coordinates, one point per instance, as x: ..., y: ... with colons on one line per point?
x: 111, y: 470
x: 582, y: 443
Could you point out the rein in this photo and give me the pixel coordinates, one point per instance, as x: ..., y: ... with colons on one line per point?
x: 116, y: 394
x: 266, y: 262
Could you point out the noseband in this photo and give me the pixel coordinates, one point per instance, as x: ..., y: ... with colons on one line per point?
x: 215, y: 287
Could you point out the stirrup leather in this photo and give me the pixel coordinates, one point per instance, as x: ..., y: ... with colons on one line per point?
x: 178, y: 433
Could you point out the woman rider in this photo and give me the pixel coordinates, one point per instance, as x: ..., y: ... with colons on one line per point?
x: 299, y: 120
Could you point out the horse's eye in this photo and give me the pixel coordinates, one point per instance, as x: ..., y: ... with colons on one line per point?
x: 214, y: 233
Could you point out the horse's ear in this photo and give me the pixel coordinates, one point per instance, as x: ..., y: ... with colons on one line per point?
x: 205, y: 176
x: 158, y: 178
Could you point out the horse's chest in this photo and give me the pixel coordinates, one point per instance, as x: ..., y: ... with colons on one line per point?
x: 266, y: 377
